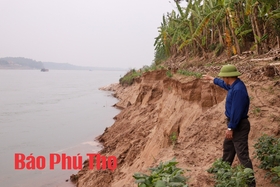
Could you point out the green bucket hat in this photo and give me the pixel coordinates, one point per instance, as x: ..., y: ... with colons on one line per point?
x: 229, y: 71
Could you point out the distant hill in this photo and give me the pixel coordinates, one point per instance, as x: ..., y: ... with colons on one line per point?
x: 63, y: 66
x: 25, y: 63
x: 66, y: 66
x: 19, y: 63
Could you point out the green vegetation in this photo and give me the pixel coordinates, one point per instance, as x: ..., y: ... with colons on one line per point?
x: 257, y: 111
x: 189, y: 73
x: 152, y: 67
x: 268, y: 152
x: 225, y: 175
x: 174, y: 138
x: 164, y: 175
x: 276, y: 171
x: 218, y: 26
x: 129, y: 77
x: 160, y: 56
x: 169, y: 74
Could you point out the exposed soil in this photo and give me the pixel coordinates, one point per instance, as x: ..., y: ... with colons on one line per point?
x: 156, y: 106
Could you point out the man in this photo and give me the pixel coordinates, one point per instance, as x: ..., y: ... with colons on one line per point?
x: 237, y: 107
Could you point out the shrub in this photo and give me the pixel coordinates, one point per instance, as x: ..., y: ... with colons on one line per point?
x: 276, y: 172
x: 129, y: 77
x: 225, y: 175
x: 164, y: 175
x: 267, y: 150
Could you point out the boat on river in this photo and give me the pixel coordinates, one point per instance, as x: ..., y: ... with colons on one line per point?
x: 44, y: 69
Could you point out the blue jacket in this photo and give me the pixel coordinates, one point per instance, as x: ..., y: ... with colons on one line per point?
x: 237, y: 101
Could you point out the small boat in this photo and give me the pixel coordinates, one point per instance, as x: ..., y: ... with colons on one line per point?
x: 44, y: 69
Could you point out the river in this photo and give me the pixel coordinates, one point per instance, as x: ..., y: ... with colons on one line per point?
x: 46, y: 113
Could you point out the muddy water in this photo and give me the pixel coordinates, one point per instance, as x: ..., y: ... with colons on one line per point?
x: 55, y: 112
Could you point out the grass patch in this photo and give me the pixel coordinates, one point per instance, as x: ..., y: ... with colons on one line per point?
x: 174, y: 138
x: 169, y: 74
x: 129, y: 77
x: 189, y: 73
x: 257, y: 111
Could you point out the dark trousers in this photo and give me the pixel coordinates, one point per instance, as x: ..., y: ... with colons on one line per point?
x: 238, y: 145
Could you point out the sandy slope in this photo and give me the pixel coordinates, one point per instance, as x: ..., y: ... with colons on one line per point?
x: 156, y: 106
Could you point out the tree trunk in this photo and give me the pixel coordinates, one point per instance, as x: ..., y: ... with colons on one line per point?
x: 234, y: 37
x: 255, y: 20
x: 201, y: 47
x: 266, y: 42
x: 221, y: 41
x: 206, y: 37
x: 212, y: 35
x: 255, y: 34
x: 228, y: 42
x: 237, y: 14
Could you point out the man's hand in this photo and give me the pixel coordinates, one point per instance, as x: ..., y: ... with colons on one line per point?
x: 208, y: 77
x: 229, y: 134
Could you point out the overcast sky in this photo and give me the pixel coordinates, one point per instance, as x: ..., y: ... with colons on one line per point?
x: 106, y: 33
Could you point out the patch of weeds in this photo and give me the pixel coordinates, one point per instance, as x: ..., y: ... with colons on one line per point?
x: 270, y: 89
x: 212, y: 64
x: 257, y: 111
x: 274, y: 117
x: 169, y: 74
x: 145, y: 68
x: 225, y: 175
x: 161, y: 67
x: 174, y: 138
x: 169, y: 88
x: 189, y: 73
x: 129, y: 77
x: 164, y: 175
x: 152, y: 67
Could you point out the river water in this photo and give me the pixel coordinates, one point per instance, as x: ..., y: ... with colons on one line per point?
x: 46, y: 113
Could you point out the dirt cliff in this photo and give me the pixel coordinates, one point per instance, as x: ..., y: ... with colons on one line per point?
x: 157, y: 106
